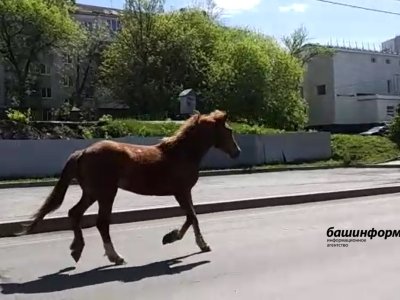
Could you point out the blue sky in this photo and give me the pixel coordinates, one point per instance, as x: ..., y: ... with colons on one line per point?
x: 324, y: 22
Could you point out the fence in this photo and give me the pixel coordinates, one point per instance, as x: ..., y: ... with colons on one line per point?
x: 42, y: 158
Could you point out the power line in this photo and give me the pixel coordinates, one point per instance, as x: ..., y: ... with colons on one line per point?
x: 361, y: 7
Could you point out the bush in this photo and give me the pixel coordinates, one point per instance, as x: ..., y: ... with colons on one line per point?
x: 108, y: 128
x: 241, y: 128
x: 353, y: 149
x: 18, y: 116
x: 394, y: 130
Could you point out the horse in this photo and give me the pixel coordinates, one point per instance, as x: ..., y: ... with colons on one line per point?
x: 169, y: 168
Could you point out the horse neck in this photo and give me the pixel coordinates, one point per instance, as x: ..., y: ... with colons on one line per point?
x: 192, y: 149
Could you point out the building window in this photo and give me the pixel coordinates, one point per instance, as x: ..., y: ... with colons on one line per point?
x: 321, y: 89
x: 46, y: 92
x: 88, y: 25
x: 114, y: 25
x: 390, y: 111
x: 67, y: 59
x: 67, y: 81
x: 387, y: 61
x: 40, y: 69
x: 44, y: 69
x: 389, y: 86
x: 373, y: 59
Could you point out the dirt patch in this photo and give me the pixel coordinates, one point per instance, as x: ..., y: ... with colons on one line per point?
x: 11, y: 130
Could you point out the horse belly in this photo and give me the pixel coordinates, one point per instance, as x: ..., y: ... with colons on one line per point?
x: 151, y: 186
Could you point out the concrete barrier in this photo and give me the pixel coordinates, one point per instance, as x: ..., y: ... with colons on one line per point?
x: 43, y: 158
x: 11, y: 228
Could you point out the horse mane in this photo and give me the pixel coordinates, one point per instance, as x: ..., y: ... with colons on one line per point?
x: 182, y: 133
x: 188, y: 126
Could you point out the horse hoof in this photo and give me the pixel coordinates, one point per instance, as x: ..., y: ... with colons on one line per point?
x: 170, y: 237
x: 76, y: 255
x: 206, y: 249
x: 120, y: 261
x: 117, y: 260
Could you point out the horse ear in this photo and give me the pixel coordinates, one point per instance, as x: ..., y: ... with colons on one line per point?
x: 196, y: 117
x: 220, y: 116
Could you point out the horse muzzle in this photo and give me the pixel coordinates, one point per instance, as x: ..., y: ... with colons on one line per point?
x: 235, y: 153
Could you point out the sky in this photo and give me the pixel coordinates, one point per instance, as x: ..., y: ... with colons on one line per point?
x: 325, y: 23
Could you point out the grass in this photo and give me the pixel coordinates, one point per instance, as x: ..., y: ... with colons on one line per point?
x: 357, y: 149
x: 123, y: 127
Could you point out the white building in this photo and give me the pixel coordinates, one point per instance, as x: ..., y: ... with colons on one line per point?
x: 54, y: 89
x: 353, y: 89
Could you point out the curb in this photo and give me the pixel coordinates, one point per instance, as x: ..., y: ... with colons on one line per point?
x: 8, y: 229
x: 205, y: 173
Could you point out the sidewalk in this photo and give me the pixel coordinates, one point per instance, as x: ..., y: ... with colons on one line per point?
x: 20, y: 203
x: 391, y: 163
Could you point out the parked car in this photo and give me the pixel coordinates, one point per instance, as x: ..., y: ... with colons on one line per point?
x: 377, y: 130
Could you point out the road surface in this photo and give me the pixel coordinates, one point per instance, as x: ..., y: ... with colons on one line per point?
x: 20, y: 203
x: 271, y: 253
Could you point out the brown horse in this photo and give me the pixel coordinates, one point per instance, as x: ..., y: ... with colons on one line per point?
x: 170, y: 167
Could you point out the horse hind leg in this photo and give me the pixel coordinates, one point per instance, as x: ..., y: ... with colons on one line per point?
x: 75, y: 214
x: 103, y: 225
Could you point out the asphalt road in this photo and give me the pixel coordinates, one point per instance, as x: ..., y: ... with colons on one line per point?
x: 272, y: 253
x: 20, y: 203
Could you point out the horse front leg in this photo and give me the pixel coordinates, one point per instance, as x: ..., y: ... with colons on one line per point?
x: 186, y: 203
x: 176, y: 234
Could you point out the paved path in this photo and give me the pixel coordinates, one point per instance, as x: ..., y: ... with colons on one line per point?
x: 391, y: 163
x: 20, y: 203
x: 272, y: 253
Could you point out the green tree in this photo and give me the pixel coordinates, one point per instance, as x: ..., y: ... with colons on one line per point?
x: 85, y: 58
x: 209, y: 7
x: 130, y: 63
x: 298, y: 46
x: 256, y: 81
x: 237, y: 70
x: 29, y: 30
x: 149, y: 65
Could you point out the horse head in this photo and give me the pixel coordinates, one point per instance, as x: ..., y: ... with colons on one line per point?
x: 222, y: 134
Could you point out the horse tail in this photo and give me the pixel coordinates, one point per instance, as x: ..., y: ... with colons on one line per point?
x: 56, y: 197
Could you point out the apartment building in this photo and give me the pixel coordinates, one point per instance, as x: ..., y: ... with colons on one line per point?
x: 354, y: 89
x: 54, y: 87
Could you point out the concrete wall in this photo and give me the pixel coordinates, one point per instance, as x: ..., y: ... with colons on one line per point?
x: 322, y: 107
x: 2, y: 87
x: 392, y: 45
x: 364, y: 109
x: 350, y: 110
x: 383, y: 104
x: 29, y: 158
x: 355, y: 72
x: 348, y: 73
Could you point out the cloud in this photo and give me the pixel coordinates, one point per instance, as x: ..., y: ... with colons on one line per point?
x: 295, y: 7
x: 237, y: 6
